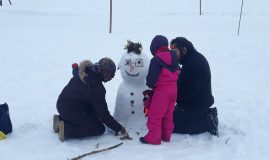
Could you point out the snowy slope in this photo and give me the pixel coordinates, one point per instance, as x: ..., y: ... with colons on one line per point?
x: 39, y: 40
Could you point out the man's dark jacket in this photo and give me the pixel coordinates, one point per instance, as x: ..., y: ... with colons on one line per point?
x: 194, y: 83
x: 88, y: 92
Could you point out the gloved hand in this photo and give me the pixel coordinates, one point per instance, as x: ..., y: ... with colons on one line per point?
x: 147, y: 100
x: 145, y: 111
x: 123, y: 134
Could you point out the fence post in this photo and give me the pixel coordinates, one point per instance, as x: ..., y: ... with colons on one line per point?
x: 240, y: 17
x: 1, y: 3
x: 200, y: 7
x: 110, y: 30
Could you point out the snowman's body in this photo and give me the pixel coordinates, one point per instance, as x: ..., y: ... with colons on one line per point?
x: 129, y: 101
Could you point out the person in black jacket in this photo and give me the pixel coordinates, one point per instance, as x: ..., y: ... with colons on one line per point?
x: 193, y: 114
x: 82, y: 106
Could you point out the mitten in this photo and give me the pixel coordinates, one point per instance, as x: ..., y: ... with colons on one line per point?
x: 147, y: 100
x: 124, y: 134
x: 121, y: 132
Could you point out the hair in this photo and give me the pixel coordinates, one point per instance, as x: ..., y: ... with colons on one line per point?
x: 106, y: 64
x: 133, y: 47
x: 183, y: 42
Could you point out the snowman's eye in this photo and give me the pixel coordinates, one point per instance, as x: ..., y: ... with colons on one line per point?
x: 139, y: 63
x: 127, y: 62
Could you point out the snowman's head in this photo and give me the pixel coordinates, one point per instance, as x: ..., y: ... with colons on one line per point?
x: 134, y: 64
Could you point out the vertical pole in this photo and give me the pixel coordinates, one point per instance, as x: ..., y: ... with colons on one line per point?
x: 200, y: 7
x: 110, y: 30
x: 240, y: 17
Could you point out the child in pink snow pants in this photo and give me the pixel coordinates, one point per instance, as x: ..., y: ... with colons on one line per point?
x: 162, y: 78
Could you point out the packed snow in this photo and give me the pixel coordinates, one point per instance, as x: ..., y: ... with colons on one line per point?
x: 39, y: 40
x: 128, y: 104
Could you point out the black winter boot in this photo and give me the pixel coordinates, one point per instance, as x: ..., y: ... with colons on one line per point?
x: 143, y: 141
x: 212, y: 121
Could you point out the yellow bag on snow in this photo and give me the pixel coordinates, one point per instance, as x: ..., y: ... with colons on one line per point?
x: 2, y: 136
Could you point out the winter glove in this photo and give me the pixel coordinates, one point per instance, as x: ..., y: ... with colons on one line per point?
x: 147, y: 100
x: 124, y: 134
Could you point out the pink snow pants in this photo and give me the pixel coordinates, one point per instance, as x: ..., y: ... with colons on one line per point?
x: 160, y: 115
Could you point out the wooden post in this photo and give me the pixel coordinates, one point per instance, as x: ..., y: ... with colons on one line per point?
x: 240, y: 17
x: 200, y: 7
x: 110, y: 30
x: 97, y: 151
x: 1, y: 3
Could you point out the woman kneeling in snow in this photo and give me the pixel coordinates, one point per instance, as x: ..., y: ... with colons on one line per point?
x: 82, y: 105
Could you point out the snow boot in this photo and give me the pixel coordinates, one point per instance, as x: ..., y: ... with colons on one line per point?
x: 214, y: 115
x: 56, y: 123
x: 212, y: 121
x: 61, y: 133
x: 143, y: 141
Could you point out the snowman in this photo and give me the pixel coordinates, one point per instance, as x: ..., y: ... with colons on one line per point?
x: 129, y: 101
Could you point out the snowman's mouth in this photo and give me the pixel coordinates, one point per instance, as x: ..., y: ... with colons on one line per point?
x: 132, y: 75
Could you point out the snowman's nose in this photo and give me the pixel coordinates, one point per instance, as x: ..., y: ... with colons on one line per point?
x: 131, y: 68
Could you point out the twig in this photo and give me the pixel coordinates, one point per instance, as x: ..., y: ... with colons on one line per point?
x: 226, y: 142
x: 97, y: 151
x: 97, y: 145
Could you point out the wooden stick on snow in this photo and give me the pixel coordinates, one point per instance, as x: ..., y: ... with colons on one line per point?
x: 97, y: 151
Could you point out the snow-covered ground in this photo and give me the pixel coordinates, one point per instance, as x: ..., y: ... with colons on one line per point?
x: 39, y: 40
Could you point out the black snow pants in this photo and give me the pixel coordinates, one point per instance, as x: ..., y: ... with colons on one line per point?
x: 193, y: 121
